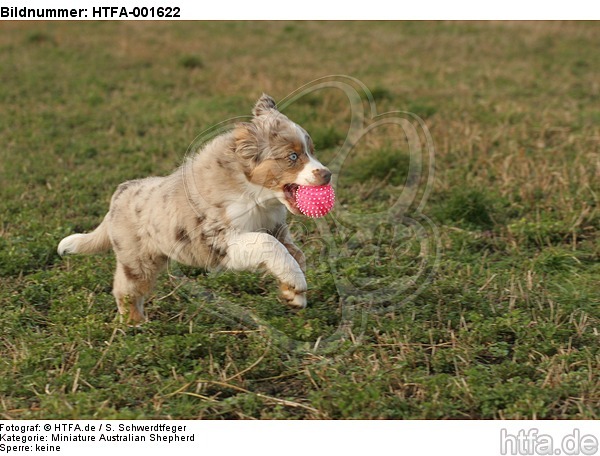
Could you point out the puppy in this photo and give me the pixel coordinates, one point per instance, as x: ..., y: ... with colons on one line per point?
x: 225, y: 207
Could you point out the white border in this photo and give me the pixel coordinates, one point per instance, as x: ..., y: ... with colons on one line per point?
x: 348, y: 438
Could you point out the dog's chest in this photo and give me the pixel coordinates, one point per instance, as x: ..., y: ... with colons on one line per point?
x: 248, y: 216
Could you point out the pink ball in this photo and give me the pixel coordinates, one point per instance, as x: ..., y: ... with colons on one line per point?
x: 315, y: 201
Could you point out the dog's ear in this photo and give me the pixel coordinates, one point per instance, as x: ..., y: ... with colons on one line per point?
x: 264, y: 104
x: 246, y: 140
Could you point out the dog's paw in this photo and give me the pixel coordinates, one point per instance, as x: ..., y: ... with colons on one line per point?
x: 131, y: 311
x: 136, y: 321
x: 298, y: 302
x: 292, y: 297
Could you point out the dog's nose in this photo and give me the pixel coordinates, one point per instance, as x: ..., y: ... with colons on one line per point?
x: 325, y: 176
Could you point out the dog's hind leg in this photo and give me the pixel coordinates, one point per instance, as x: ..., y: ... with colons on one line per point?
x: 251, y: 251
x: 131, y: 287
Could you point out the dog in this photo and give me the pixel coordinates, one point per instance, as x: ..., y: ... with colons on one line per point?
x: 223, y: 208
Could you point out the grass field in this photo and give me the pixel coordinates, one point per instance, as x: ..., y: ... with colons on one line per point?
x: 482, y: 305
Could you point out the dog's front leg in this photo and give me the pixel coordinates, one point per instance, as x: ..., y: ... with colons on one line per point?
x: 249, y: 251
x: 283, y: 235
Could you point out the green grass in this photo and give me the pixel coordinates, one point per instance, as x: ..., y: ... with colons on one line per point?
x: 484, y: 306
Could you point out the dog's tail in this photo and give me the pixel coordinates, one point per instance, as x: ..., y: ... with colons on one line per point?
x: 95, y: 242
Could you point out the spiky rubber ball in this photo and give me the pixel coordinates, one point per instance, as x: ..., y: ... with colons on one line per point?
x: 315, y: 201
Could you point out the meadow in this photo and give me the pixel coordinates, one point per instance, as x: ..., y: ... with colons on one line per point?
x: 475, y: 296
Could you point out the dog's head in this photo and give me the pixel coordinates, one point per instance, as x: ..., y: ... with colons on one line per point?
x: 277, y: 153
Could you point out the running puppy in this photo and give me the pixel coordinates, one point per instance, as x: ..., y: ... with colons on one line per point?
x: 225, y: 207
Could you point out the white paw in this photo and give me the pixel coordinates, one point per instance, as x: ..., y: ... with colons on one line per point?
x: 292, y: 298
x: 299, y: 301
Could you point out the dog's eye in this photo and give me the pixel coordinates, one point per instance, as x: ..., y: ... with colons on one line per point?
x: 293, y: 156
